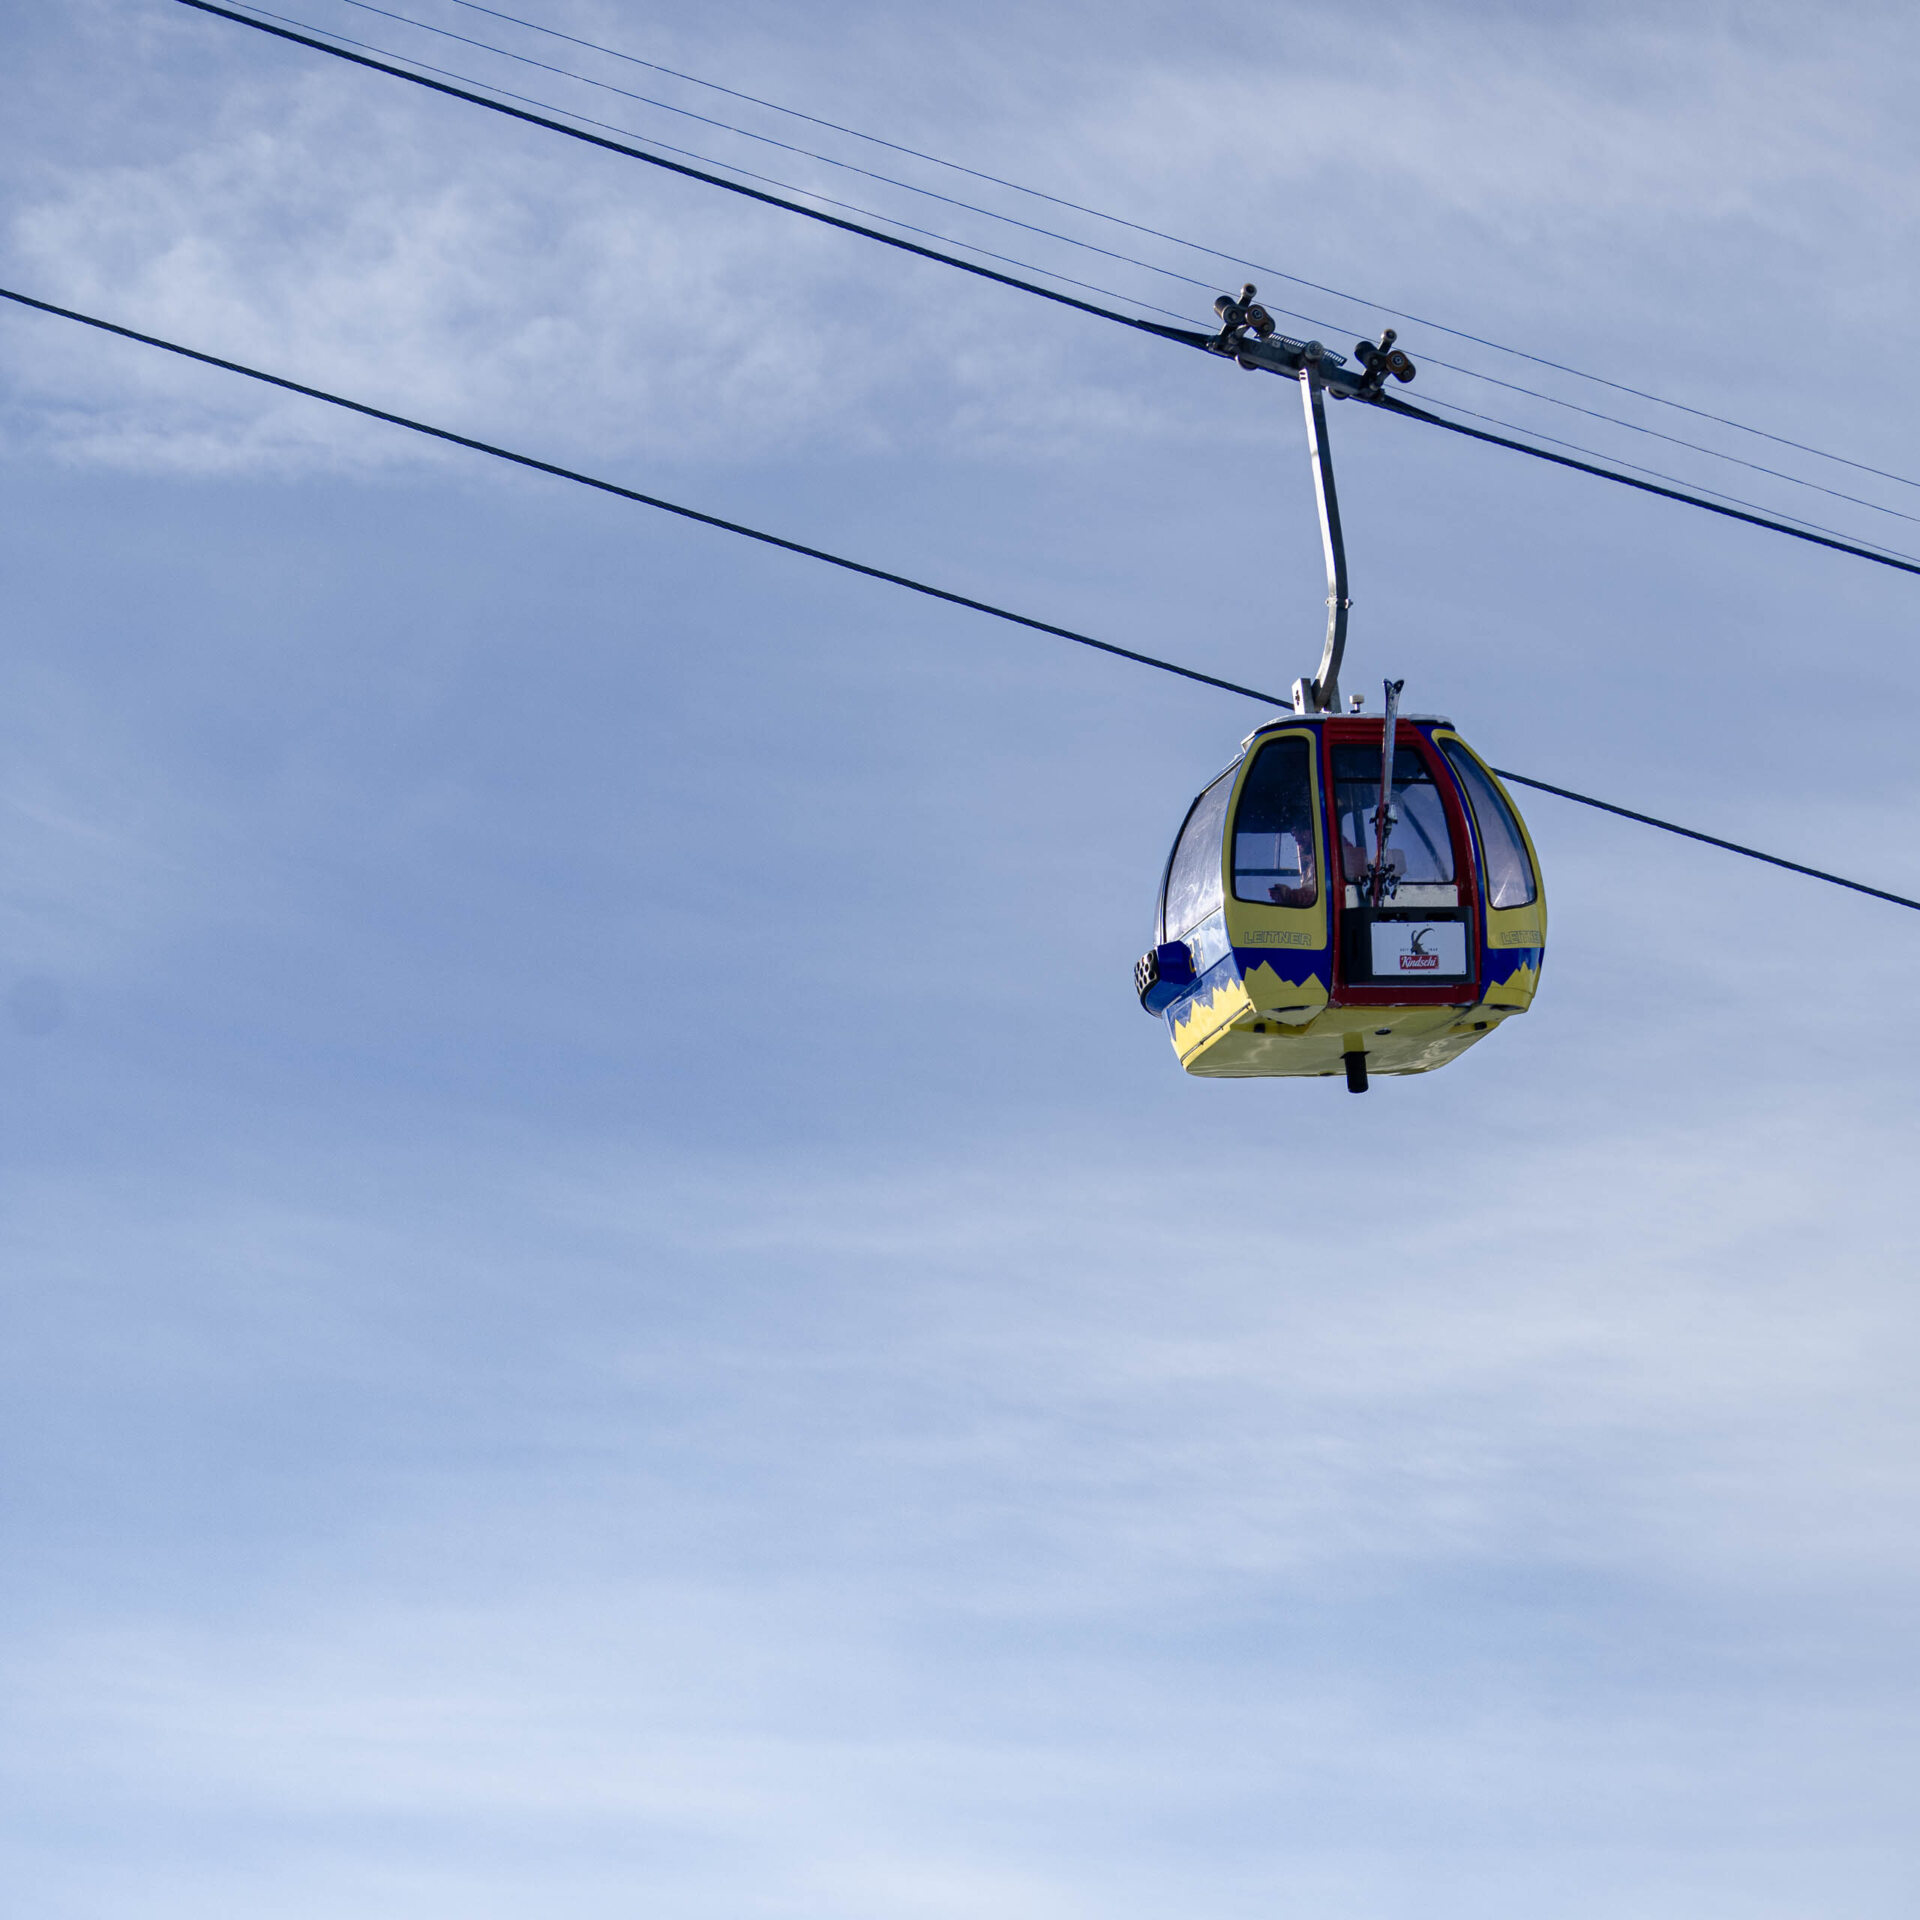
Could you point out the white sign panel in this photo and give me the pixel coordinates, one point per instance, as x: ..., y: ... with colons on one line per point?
x: 1412, y: 949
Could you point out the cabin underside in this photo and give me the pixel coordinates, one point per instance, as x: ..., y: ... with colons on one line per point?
x: 1254, y: 1044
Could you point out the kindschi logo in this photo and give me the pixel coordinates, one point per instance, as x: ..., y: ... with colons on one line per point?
x: 1417, y: 958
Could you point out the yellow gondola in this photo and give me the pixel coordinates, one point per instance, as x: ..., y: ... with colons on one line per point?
x: 1351, y: 893
x: 1286, y: 945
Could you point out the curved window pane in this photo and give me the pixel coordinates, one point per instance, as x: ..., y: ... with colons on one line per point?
x: 1419, y: 849
x: 1273, y: 829
x: 1193, y: 882
x: 1509, y: 872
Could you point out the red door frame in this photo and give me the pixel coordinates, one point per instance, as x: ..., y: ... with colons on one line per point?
x: 1357, y: 731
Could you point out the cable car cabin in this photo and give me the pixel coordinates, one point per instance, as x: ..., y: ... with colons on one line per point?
x: 1287, y: 946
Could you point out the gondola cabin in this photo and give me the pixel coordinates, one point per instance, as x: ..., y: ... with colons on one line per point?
x: 1290, y: 941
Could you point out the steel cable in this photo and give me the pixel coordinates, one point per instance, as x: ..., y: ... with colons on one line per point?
x: 990, y: 213
x: 1745, y: 511
x: 847, y: 565
x: 1217, y: 253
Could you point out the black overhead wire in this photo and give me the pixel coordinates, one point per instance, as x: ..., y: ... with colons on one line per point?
x: 629, y: 493
x: 745, y: 133
x: 1654, y: 473
x: 1195, y: 246
x: 337, y: 40
x: 1186, y: 336
x: 990, y: 213
x: 857, y: 566
x: 1814, y: 537
x: 1672, y: 439
x: 1743, y: 510
x: 1711, y: 839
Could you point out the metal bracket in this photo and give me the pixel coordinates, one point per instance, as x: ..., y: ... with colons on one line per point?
x: 1238, y: 318
x: 1247, y: 336
x: 1324, y: 690
x: 1242, y: 339
x: 1380, y: 358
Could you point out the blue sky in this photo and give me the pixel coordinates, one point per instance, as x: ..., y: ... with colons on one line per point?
x: 612, y: 1307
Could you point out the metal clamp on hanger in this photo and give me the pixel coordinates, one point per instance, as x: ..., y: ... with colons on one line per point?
x: 1238, y: 318
x: 1380, y: 360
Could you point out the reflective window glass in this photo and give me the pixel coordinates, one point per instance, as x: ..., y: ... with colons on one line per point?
x: 1419, y: 849
x: 1193, y: 881
x: 1510, y: 881
x: 1273, y: 828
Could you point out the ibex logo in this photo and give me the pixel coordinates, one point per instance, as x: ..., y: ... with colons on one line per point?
x: 1418, y: 958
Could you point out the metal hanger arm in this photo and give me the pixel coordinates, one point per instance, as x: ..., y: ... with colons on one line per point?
x: 1324, y: 692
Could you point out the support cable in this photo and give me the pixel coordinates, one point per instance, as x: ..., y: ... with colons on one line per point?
x: 1654, y: 433
x: 853, y: 566
x: 1790, y: 520
x: 1899, y: 562
x: 745, y: 133
x: 1196, y: 246
x: 726, y: 166
x: 1183, y: 336
x: 1315, y: 321
x: 639, y: 499
x: 1711, y: 839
